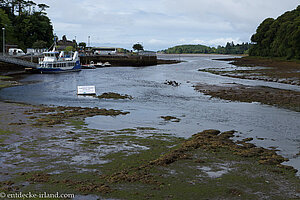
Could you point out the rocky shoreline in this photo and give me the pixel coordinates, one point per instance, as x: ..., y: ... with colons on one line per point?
x: 50, y: 149
x: 236, y: 92
x: 266, y: 69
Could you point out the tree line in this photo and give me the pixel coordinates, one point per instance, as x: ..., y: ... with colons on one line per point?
x: 278, y: 38
x: 26, y: 24
x: 230, y: 48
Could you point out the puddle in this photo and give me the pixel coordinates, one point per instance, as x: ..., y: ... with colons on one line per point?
x: 216, y: 172
x: 87, y: 159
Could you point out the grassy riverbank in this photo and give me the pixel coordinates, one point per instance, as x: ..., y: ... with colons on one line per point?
x: 51, y: 149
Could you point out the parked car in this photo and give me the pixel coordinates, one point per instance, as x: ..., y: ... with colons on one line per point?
x: 15, y: 52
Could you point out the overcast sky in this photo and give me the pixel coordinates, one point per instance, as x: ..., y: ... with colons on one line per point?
x: 159, y: 24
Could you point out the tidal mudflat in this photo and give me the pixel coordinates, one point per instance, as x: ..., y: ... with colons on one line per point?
x: 151, y: 146
x: 266, y: 69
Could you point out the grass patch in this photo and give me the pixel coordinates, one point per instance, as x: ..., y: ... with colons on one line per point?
x: 50, y: 116
x: 77, y: 124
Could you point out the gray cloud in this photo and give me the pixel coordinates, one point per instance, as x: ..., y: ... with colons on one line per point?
x: 159, y: 24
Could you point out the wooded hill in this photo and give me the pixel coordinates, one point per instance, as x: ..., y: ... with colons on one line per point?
x: 230, y: 48
x: 278, y: 38
x: 26, y: 24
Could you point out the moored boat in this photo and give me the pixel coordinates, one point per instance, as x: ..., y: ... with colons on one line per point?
x: 99, y: 64
x: 106, y: 64
x: 89, y: 66
x: 57, y: 62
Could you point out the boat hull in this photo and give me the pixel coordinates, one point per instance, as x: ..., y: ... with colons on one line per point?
x: 55, y: 71
x: 45, y: 70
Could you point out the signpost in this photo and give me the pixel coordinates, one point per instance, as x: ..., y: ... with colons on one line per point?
x: 86, y: 90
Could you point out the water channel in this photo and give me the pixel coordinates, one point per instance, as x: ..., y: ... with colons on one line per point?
x: 152, y: 99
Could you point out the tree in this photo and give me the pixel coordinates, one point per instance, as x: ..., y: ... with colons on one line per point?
x: 6, y: 23
x: 82, y: 45
x: 69, y: 49
x: 43, y: 7
x: 30, y: 4
x: 138, y: 47
x: 64, y: 38
x: 32, y: 28
x: 24, y: 26
x: 278, y: 38
x: 230, y: 48
x: 40, y: 44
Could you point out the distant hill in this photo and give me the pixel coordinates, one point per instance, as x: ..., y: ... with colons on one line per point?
x: 230, y: 48
x: 278, y: 38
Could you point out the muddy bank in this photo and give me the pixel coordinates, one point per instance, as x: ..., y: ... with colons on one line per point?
x: 265, y: 69
x: 136, y: 163
x: 9, y: 81
x: 8, y: 69
x: 236, y: 92
x: 162, y: 61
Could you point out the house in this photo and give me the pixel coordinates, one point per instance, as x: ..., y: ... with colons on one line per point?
x: 104, y: 50
x: 63, y: 43
x: 147, y: 53
x: 32, y: 51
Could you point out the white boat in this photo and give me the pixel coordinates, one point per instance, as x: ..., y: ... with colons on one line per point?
x: 56, y: 62
x: 89, y: 66
x: 99, y: 64
x: 106, y: 64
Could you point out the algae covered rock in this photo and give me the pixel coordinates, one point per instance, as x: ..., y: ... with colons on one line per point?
x: 112, y: 95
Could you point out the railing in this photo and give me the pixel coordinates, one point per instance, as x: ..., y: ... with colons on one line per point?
x: 16, y: 61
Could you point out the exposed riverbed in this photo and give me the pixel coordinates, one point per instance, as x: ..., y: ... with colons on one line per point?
x: 153, y: 99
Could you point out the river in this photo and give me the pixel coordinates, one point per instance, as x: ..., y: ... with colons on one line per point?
x: 152, y: 99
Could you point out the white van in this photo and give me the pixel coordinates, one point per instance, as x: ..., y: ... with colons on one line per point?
x: 15, y: 52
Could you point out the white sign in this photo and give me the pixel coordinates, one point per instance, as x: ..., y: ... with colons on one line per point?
x: 86, y: 90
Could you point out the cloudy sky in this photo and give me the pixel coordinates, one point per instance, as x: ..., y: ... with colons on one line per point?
x: 159, y: 24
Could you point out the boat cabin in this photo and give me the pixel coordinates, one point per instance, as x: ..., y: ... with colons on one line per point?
x: 51, y: 56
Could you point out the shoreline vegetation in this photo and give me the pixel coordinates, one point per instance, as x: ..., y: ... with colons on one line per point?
x: 278, y: 37
x: 26, y: 24
x: 230, y: 48
x: 136, y: 163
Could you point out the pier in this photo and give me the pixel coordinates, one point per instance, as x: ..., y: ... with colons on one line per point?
x: 121, y: 59
x: 16, y: 61
x: 19, y: 64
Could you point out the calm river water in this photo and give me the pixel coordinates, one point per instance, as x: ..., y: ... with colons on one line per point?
x: 153, y: 99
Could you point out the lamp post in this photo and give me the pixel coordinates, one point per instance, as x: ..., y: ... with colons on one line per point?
x: 3, y: 41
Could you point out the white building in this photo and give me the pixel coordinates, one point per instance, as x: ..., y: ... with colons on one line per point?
x: 104, y: 50
x: 35, y: 51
